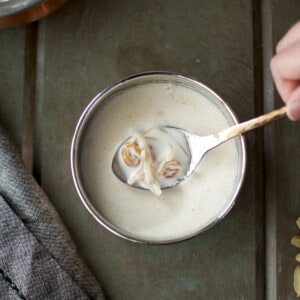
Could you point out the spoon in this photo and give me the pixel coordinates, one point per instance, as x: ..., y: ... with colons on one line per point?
x: 198, y: 146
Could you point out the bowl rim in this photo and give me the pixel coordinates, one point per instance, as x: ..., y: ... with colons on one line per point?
x: 84, y: 198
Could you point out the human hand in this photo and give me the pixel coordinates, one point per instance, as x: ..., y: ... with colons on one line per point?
x: 285, y: 68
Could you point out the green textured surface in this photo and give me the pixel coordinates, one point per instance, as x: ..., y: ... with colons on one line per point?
x: 88, y: 45
x: 12, y: 54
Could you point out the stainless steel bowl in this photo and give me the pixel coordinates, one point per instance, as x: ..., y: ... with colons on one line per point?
x: 87, y: 138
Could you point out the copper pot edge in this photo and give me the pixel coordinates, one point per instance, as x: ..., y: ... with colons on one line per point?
x: 32, y: 14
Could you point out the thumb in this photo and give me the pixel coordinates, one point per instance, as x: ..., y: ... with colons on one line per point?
x: 293, y: 105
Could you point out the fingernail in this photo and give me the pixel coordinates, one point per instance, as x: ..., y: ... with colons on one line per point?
x: 293, y: 110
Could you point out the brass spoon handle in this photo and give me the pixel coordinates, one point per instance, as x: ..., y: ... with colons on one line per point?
x: 238, y: 129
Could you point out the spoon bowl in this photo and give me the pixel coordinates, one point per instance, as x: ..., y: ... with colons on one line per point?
x: 158, y: 139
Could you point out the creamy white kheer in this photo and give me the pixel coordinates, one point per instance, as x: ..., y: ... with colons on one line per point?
x: 180, y: 211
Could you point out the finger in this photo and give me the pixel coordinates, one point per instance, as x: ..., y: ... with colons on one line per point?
x: 291, y: 37
x: 285, y: 67
x: 287, y: 63
x: 293, y: 105
x: 285, y: 87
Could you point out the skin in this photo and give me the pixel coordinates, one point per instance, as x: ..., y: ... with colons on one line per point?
x: 285, y: 68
